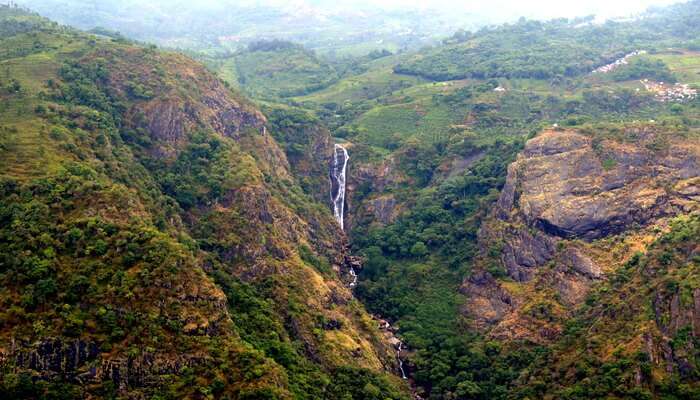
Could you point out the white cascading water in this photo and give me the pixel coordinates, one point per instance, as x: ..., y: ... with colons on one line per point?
x: 338, y: 169
x: 337, y: 176
x: 398, y: 356
x: 354, y: 277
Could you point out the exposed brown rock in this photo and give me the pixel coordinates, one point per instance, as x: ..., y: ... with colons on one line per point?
x: 566, y: 191
x: 459, y: 165
x: 560, y: 185
x: 377, y: 177
x: 581, y: 263
x: 383, y: 208
x: 488, y: 303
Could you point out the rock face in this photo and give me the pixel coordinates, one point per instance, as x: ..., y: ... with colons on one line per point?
x: 458, y: 165
x: 565, y: 187
x: 565, y: 193
x: 81, y: 361
x: 672, y: 315
x: 485, y: 295
x: 382, y: 209
x: 525, y: 250
x: 172, y: 114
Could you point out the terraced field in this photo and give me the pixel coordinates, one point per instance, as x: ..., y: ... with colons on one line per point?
x: 686, y: 65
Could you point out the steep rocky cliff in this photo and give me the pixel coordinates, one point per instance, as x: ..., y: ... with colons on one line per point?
x: 637, y: 332
x: 370, y: 198
x: 576, y: 206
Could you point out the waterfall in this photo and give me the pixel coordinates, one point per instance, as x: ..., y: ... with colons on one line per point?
x: 398, y: 356
x: 337, y: 175
x: 354, y: 277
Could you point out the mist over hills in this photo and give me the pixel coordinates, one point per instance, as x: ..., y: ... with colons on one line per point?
x: 345, y: 26
x: 230, y: 24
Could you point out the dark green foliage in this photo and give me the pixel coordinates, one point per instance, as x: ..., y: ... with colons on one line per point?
x: 376, y: 54
x: 521, y: 50
x: 271, y: 45
x: 23, y: 386
x: 354, y: 383
x: 620, y: 101
x: 644, y: 68
x: 440, y: 218
x: 290, y: 126
x: 262, y: 324
x: 47, y: 238
x: 202, y: 172
x: 83, y: 87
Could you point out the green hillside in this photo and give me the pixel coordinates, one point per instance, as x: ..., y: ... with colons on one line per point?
x: 545, y: 50
x: 272, y: 69
x: 153, y: 242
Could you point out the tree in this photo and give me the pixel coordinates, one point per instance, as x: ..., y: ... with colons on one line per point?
x: 419, y: 249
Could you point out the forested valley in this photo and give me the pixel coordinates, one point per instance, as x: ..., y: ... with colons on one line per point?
x: 504, y: 211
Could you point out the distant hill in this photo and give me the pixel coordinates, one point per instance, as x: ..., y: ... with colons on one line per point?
x: 227, y: 25
x: 543, y: 50
x: 272, y: 69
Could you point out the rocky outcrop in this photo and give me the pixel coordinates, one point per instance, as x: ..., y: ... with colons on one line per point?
x: 672, y: 314
x: 575, y: 260
x: 169, y: 114
x: 484, y: 295
x: 82, y: 361
x: 383, y: 208
x: 677, y: 318
x: 365, y: 210
x: 565, y: 192
x: 458, y: 165
x: 56, y: 356
x: 523, y: 250
x: 567, y: 187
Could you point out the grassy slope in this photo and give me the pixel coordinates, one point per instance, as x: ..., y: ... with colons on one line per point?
x: 686, y: 66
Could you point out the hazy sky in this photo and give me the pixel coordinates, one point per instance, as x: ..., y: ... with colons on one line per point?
x: 528, y: 8
x: 494, y: 9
